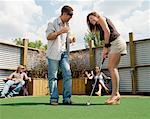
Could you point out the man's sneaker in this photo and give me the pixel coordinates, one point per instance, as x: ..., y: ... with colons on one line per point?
x: 53, y: 103
x: 67, y: 102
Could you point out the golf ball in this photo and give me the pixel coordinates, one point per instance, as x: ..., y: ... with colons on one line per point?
x: 87, y: 103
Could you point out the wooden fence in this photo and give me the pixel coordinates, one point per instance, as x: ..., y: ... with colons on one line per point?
x: 134, y: 68
x: 39, y: 87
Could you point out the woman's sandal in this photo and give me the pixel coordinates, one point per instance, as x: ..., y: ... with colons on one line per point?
x: 112, y: 101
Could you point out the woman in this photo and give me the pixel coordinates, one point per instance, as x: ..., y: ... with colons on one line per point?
x: 114, y: 45
x: 98, y: 75
x: 25, y: 87
x: 15, y: 78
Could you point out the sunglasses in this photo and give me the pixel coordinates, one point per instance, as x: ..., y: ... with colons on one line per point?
x: 70, y: 14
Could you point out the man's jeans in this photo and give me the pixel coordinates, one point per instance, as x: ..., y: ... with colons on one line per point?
x: 16, y: 90
x: 53, y: 66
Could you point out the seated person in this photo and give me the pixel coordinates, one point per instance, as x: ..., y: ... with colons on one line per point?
x: 15, y: 78
x: 98, y: 75
x: 25, y: 87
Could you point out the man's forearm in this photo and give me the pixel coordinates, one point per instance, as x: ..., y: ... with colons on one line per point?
x: 53, y: 36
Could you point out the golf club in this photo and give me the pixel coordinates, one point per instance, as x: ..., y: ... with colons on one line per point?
x: 88, y: 102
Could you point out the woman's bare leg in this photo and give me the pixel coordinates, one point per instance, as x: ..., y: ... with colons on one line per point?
x: 103, y: 85
x: 99, y: 90
x: 114, y: 60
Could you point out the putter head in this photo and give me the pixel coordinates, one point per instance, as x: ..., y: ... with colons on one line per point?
x: 88, y: 103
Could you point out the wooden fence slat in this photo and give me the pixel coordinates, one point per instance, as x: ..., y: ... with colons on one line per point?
x: 40, y: 87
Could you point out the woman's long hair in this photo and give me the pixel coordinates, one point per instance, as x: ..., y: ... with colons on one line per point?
x: 19, y: 68
x: 94, y: 71
x: 93, y: 28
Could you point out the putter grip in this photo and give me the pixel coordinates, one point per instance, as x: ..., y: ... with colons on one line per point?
x: 103, y: 60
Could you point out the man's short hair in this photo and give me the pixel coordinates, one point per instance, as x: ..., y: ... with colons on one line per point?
x: 66, y: 9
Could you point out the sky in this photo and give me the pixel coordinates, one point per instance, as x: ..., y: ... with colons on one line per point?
x: 29, y: 18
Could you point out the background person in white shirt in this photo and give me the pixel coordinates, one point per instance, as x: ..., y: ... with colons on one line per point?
x: 59, y: 38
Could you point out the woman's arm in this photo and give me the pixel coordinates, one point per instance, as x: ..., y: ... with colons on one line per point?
x: 11, y: 76
x: 105, y: 76
x: 89, y: 76
x: 103, y: 23
x: 26, y: 77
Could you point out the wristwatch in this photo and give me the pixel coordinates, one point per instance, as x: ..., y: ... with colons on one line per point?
x: 107, y: 45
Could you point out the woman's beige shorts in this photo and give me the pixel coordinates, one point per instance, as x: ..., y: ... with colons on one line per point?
x: 118, y: 46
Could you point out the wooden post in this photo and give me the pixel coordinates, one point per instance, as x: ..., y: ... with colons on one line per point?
x: 133, y: 63
x: 25, y: 50
x: 91, y: 53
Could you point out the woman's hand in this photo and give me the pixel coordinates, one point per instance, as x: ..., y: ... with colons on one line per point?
x: 86, y: 72
x: 29, y: 78
x: 14, y: 79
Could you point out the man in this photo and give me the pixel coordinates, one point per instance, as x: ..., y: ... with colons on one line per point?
x: 59, y: 36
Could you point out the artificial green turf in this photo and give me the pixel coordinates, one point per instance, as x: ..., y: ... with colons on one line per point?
x: 131, y: 107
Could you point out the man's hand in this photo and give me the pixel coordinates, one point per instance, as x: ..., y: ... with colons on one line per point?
x: 72, y: 38
x: 64, y: 30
